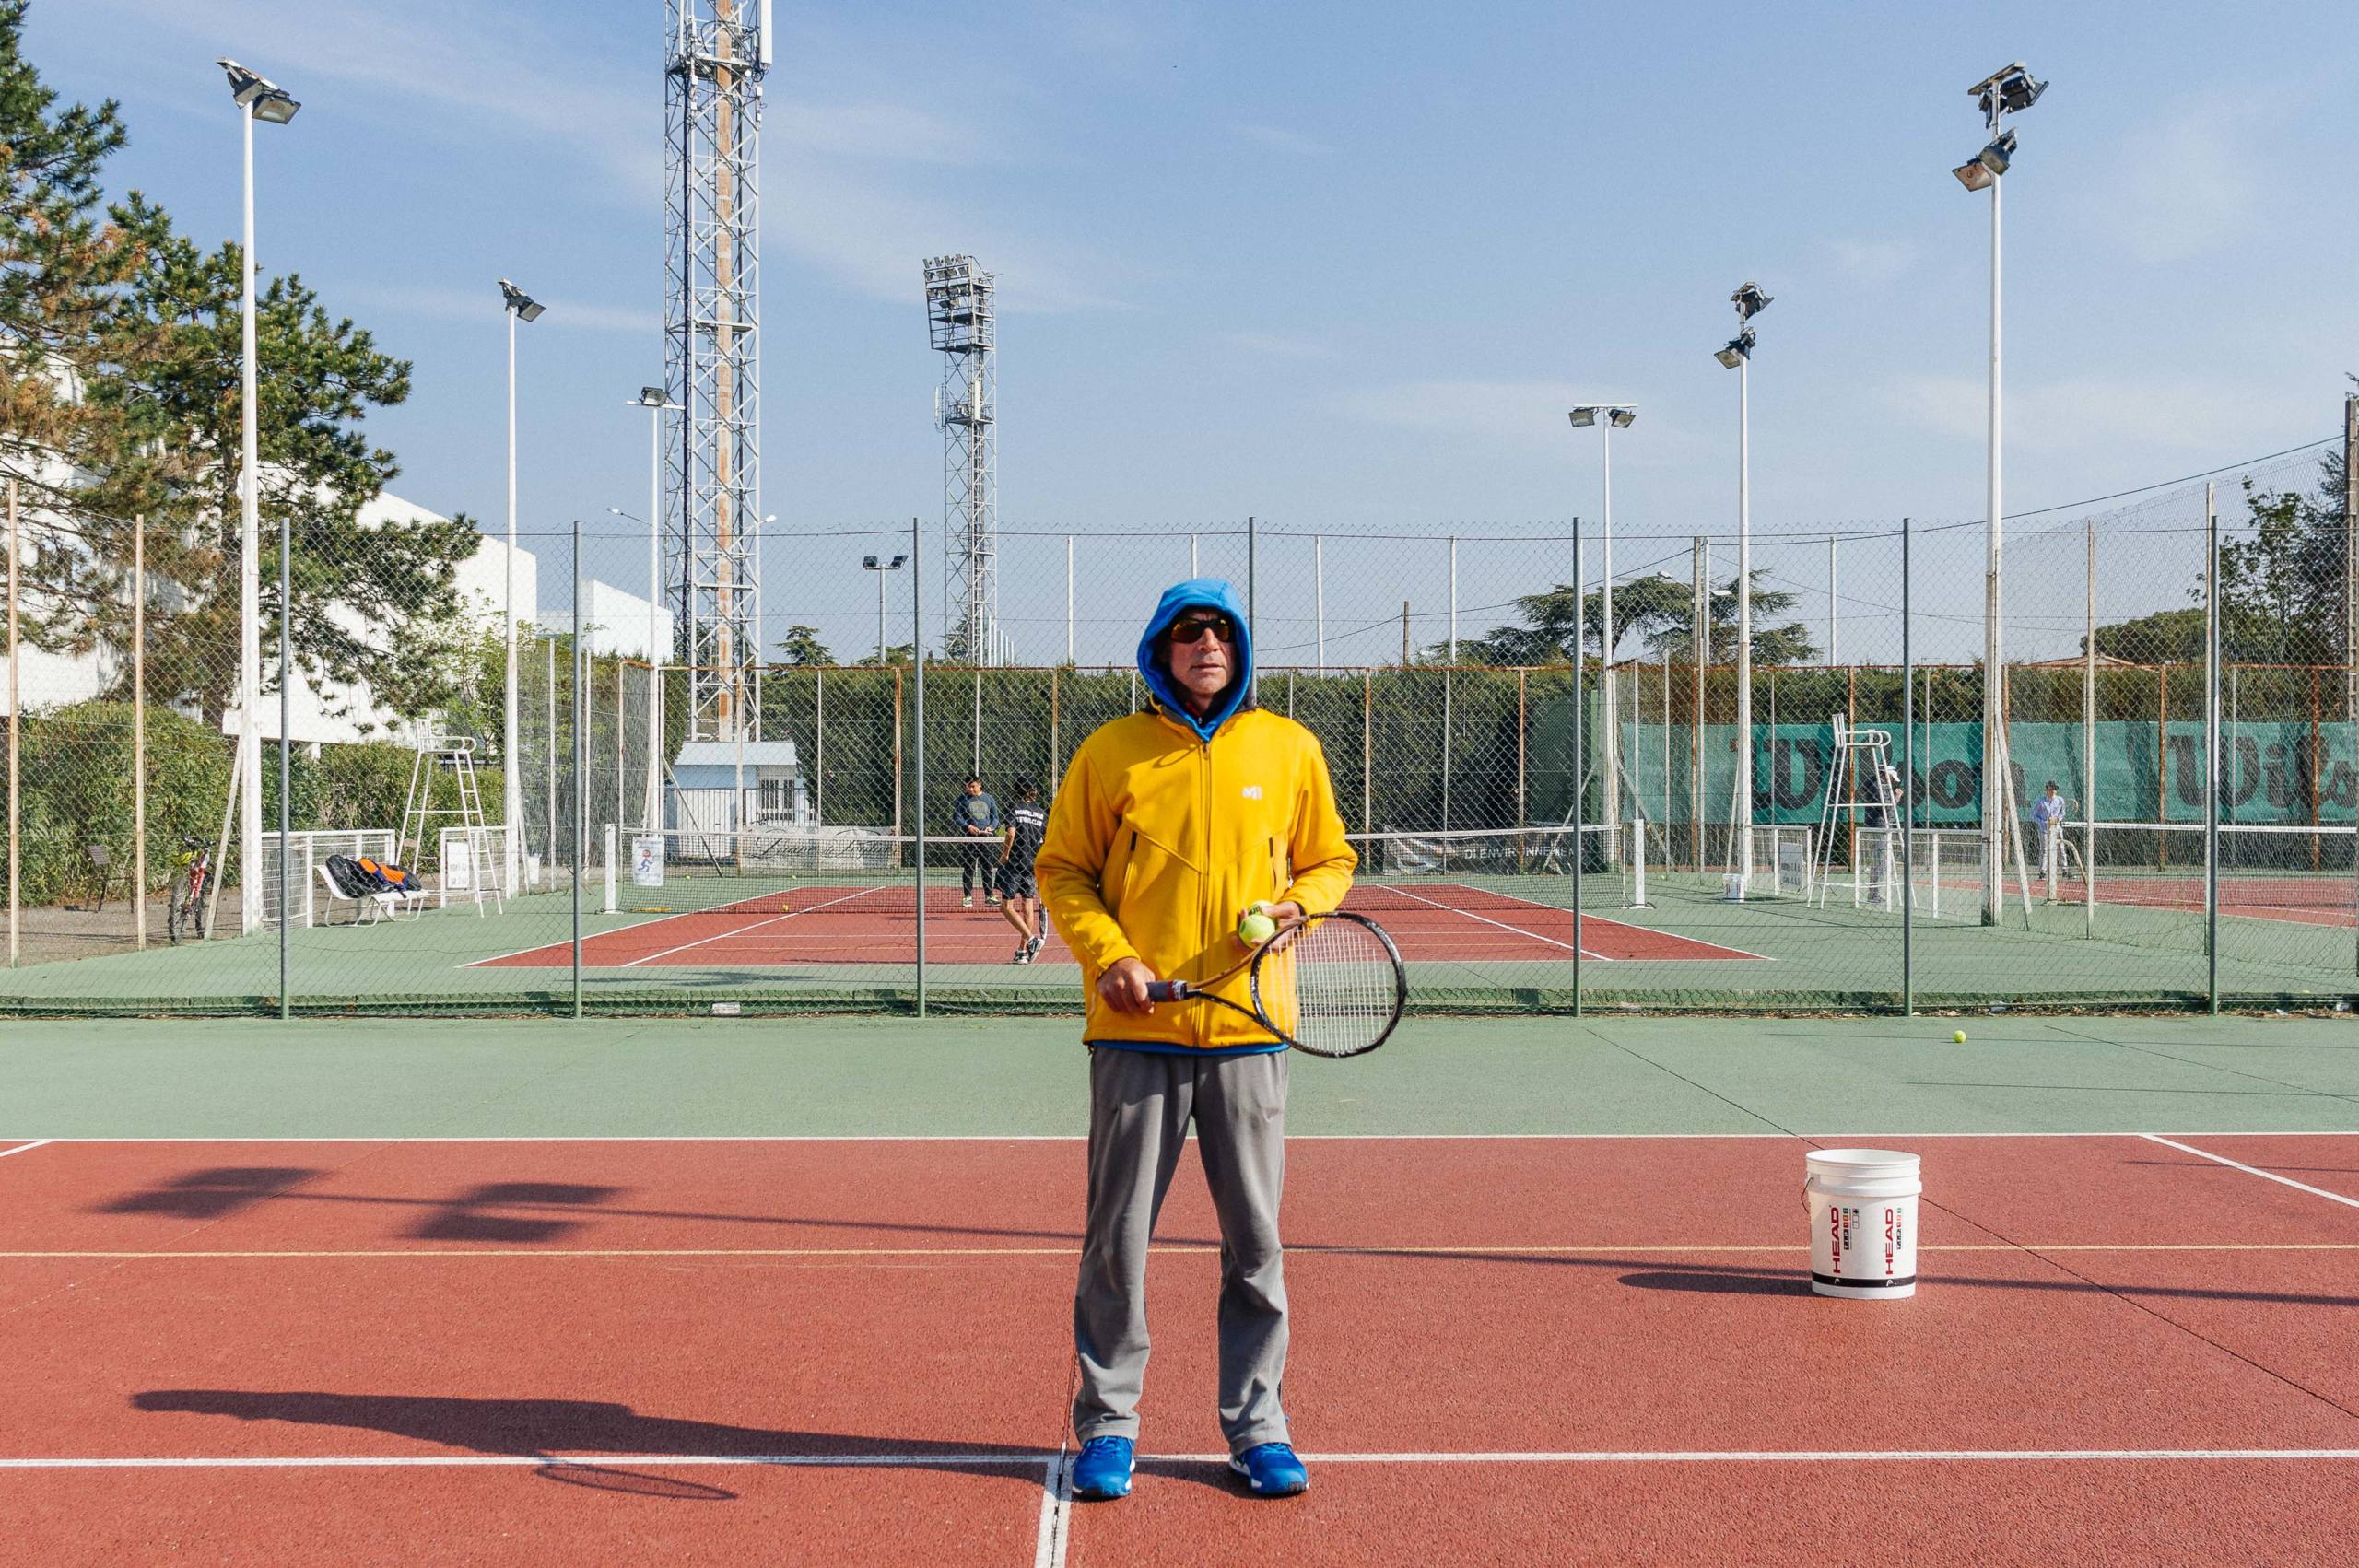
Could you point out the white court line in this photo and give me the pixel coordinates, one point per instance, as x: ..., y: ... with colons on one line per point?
x: 1056, y: 1513
x: 1471, y: 915
x: 955, y: 1459
x: 23, y: 1148
x: 2252, y: 1170
x: 1615, y: 1250
x: 1586, y: 919
x: 740, y: 931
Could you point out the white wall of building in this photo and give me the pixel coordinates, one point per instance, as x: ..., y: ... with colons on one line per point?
x: 617, y: 623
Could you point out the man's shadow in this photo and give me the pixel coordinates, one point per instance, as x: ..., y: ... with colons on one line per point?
x: 570, y: 1434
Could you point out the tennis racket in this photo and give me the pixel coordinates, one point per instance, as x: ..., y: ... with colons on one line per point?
x: 1331, y: 985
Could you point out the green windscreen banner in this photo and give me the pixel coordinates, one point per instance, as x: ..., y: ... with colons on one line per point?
x: 2292, y: 772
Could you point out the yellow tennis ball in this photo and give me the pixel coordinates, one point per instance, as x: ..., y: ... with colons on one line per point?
x: 1256, y: 928
x: 1957, y: 1036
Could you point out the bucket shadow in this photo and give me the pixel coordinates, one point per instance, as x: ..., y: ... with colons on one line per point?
x: 569, y: 1436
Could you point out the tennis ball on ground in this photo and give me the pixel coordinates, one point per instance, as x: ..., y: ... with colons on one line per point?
x: 1957, y: 1037
x: 1256, y: 928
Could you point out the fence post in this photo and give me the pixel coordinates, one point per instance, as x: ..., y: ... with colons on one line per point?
x: 579, y: 755
x: 138, y: 731
x: 15, y: 707
x: 819, y: 745
x: 1368, y: 735
x: 2089, y: 746
x: 2211, y: 750
x: 1907, y: 790
x: 285, y: 748
x: 917, y: 654
x: 1581, y: 769
x: 1056, y: 715
x: 898, y: 830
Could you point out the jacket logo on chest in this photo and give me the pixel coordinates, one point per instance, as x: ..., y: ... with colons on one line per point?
x: 1253, y: 791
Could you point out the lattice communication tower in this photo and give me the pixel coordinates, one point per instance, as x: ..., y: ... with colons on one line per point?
x: 716, y: 53
x: 958, y: 311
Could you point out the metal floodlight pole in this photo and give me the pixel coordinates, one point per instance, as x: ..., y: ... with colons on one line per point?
x: 515, y: 304
x: 1579, y: 772
x: 2002, y: 93
x: 257, y: 99
x: 1068, y: 598
x: 1608, y: 417
x: 655, y: 400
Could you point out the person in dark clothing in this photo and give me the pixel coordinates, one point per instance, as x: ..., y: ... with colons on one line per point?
x: 1027, y: 821
x: 975, y: 819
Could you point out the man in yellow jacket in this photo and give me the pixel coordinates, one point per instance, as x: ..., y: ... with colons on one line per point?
x: 1172, y: 824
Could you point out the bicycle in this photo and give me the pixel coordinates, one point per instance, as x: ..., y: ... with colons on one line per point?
x: 192, y: 881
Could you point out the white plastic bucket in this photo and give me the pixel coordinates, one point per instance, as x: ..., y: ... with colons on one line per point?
x: 1863, y: 1205
x: 1733, y: 887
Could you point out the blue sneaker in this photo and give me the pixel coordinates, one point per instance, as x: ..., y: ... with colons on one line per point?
x: 1103, y: 1469
x: 1271, y: 1470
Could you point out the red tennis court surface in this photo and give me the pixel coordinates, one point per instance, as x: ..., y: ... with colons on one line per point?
x: 1541, y: 1350
x: 1435, y: 922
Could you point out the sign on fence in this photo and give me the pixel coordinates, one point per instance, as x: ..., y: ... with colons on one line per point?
x: 646, y: 859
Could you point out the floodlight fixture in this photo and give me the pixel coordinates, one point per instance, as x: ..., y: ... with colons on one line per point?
x: 1617, y: 415
x: 1739, y: 350
x: 258, y: 94
x: 1980, y: 171
x: 527, y: 309
x: 1749, y: 301
x: 2009, y: 90
x: 652, y: 397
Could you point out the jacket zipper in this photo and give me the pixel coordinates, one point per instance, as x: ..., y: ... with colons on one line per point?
x: 1204, y: 858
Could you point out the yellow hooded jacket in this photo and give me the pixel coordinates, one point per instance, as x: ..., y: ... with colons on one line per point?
x: 1158, y: 841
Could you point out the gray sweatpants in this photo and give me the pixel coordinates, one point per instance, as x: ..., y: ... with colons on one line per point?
x: 1140, y: 1105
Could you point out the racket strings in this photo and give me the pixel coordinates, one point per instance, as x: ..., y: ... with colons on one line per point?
x: 1335, y: 988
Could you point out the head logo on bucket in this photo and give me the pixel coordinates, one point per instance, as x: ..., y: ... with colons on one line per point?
x: 1847, y: 1191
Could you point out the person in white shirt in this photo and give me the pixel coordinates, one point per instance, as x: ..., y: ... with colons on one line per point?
x: 2048, y: 817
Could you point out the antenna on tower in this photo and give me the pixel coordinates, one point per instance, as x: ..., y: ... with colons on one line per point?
x: 717, y: 51
x: 959, y: 322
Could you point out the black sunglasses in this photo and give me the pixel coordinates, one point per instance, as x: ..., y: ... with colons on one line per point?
x: 1189, y: 629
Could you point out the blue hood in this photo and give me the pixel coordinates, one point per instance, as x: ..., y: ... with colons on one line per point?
x: 1204, y: 592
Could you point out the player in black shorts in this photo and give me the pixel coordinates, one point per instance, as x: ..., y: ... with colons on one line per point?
x: 1020, y: 840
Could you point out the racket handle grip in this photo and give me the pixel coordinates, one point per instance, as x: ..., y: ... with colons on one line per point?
x: 1166, y: 991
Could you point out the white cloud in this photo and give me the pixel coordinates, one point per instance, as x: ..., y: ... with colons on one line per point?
x: 495, y: 74
x: 484, y: 305
x: 2109, y: 413
x: 2185, y: 185
x: 1874, y: 262
x: 1522, y: 414
x: 1287, y: 141
x: 1276, y: 345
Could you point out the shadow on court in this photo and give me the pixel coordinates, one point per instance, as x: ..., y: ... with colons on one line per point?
x: 569, y: 1435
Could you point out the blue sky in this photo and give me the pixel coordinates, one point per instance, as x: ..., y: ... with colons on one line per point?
x: 1342, y: 267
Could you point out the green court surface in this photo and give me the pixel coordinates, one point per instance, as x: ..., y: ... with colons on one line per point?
x: 1016, y: 1077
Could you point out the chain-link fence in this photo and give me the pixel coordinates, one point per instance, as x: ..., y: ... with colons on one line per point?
x: 1853, y: 817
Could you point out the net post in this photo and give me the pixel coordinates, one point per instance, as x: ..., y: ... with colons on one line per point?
x: 2212, y: 749
x: 610, y: 868
x: 1908, y: 793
